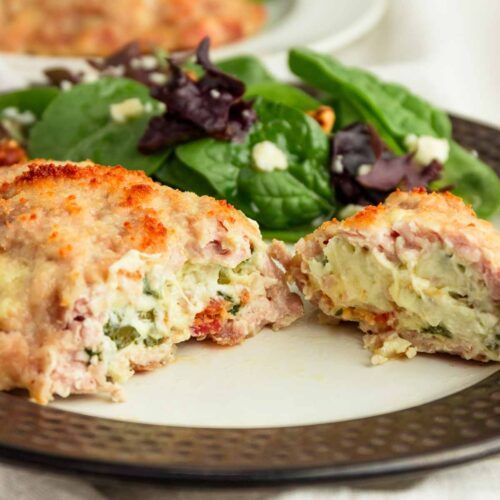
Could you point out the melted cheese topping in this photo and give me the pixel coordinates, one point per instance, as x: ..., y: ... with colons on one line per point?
x: 13, y: 281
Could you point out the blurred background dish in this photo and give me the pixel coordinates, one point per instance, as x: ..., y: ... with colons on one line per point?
x: 264, y: 29
x: 96, y: 28
x: 325, y: 25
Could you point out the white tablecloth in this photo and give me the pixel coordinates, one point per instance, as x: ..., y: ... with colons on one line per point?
x: 448, y: 51
x: 479, y: 481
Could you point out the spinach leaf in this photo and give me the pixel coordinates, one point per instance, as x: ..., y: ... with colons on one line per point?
x: 394, y: 110
x: 301, y: 138
x: 176, y: 174
x: 77, y: 125
x: 473, y: 180
x: 248, y: 69
x: 277, y: 199
x: 283, y: 94
x: 438, y: 330
x: 438, y: 120
x: 116, y: 144
x: 213, y: 160
x: 122, y: 336
x: 34, y: 100
x: 345, y: 113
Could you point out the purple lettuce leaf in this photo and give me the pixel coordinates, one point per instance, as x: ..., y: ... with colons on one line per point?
x: 212, y: 105
x: 364, y: 171
x: 166, y: 130
x: 56, y: 76
x: 128, y: 62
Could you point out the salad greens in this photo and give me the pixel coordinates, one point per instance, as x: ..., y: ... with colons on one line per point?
x: 34, y: 100
x: 215, y: 161
x: 77, y: 125
x: 204, y: 124
x: 300, y: 137
x: 209, y: 104
x: 175, y: 173
x: 473, y: 180
x: 277, y: 199
x: 248, y: 69
x: 396, y: 113
x: 283, y: 94
x: 364, y: 171
x: 391, y: 108
x: 260, y: 83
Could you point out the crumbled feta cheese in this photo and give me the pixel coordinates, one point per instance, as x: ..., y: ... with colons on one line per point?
x: 118, y: 70
x: 365, y: 169
x: 129, y: 108
x: 215, y: 93
x: 148, y: 107
x: 66, y: 85
x: 388, y: 346
x: 349, y: 210
x: 149, y: 62
x: 22, y: 118
x: 158, y: 78
x: 428, y: 148
x: 268, y: 157
x: 338, y: 168
x: 91, y: 75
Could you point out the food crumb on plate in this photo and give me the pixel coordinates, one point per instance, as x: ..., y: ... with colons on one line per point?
x: 388, y: 346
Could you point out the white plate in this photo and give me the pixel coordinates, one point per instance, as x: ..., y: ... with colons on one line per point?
x: 325, y: 25
x: 306, y: 374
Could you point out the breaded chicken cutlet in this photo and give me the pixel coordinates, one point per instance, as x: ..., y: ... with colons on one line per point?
x: 419, y: 273
x: 103, y: 271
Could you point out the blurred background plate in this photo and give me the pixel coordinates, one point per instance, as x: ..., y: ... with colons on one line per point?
x: 325, y: 25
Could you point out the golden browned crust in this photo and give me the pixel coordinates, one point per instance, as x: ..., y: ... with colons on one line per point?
x: 94, y: 27
x: 444, y: 213
x: 62, y: 225
x: 129, y: 197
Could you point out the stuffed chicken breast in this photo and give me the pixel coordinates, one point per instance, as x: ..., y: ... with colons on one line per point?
x: 419, y: 273
x: 103, y: 271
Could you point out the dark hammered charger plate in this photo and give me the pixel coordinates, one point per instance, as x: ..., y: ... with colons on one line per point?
x: 451, y: 430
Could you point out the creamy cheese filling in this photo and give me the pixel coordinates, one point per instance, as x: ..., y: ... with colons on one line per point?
x: 14, y: 278
x: 429, y: 291
x: 152, y: 308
